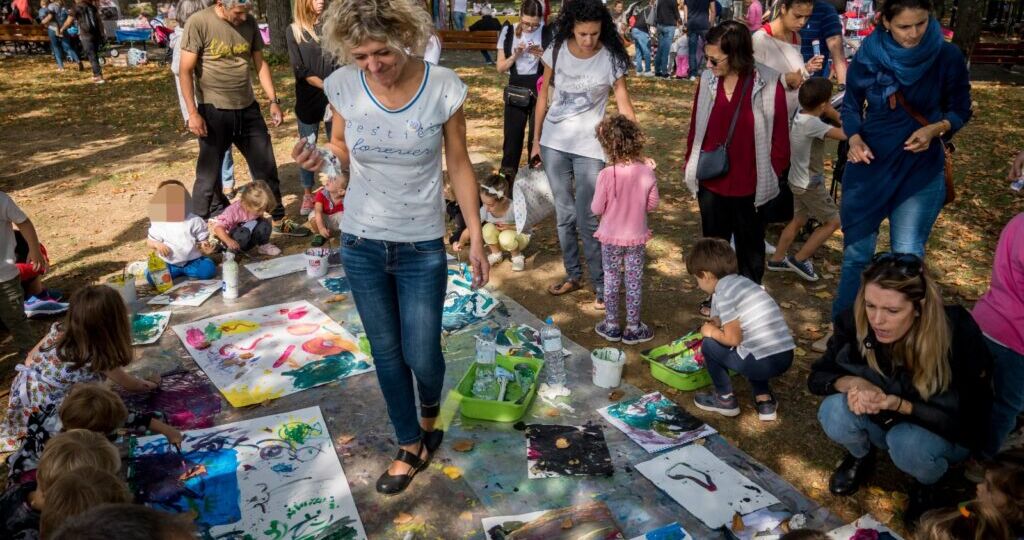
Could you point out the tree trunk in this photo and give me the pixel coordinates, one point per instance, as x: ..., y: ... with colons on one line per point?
x: 279, y: 16
x: 967, y: 31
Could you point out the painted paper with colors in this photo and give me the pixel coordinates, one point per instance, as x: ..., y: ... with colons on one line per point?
x: 188, y: 293
x: 265, y: 353
x: 673, y: 531
x: 464, y: 305
x: 655, y: 422
x: 868, y: 522
x: 148, y: 327
x: 590, y: 521
x: 278, y: 266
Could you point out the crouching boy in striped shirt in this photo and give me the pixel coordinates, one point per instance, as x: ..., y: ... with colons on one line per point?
x: 746, y: 333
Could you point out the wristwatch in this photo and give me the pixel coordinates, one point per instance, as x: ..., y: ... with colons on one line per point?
x: 276, y: 101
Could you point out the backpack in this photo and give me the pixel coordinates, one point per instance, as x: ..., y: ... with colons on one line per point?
x: 546, y: 35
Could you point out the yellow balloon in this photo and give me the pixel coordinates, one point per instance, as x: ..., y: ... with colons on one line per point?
x: 490, y: 233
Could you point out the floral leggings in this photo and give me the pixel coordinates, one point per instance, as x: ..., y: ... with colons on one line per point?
x: 612, y: 259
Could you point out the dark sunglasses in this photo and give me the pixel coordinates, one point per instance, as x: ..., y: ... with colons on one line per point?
x: 908, y: 264
x: 715, y: 61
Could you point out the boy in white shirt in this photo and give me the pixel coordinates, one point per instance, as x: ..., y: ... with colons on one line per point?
x: 12, y: 297
x: 807, y: 179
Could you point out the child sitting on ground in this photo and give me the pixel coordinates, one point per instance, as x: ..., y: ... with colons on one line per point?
x: 126, y: 522
x: 746, y: 334
x: 93, y: 343
x: 328, y: 208
x: 90, y: 406
x: 21, y: 504
x: 626, y: 191
x: 243, y: 225
x: 179, y: 237
x: 807, y: 179
x: 1002, y: 489
x: 499, y: 223
x: 77, y: 491
x: 12, y: 305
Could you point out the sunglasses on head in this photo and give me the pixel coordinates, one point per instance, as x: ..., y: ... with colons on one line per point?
x: 908, y: 264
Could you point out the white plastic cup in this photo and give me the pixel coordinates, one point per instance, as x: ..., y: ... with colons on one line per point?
x: 316, y: 262
x: 608, y: 363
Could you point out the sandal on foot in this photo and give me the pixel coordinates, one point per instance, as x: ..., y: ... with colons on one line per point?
x: 431, y: 439
x: 565, y: 286
x: 389, y: 484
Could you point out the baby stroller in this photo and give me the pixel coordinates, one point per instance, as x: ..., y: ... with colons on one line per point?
x: 162, y: 38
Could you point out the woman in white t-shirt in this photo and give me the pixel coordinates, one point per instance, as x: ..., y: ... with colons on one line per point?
x: 777, y: 45
x: 519, y: 50
x: 392, y: 114
x: 585, y: 63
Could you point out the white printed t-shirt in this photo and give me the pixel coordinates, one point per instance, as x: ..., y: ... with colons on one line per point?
x: 579, y: 101
x: 526, y: 64
x: 394, y: 191
x: 9, y: 213
x: 806, y: 149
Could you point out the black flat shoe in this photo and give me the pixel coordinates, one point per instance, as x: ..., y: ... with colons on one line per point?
x: 920, y: 499
x: 431, y: 439
x: 851, y: 472
x: 389, y: 484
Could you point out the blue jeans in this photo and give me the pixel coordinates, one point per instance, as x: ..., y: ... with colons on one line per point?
x: 573, y: 180
x: 719, y: 359
x: 910, y: 224
x: 201, y: 268
x: 459, y: 20
x: 227, y: 171
x: 913, y: 449
x: 694, y: 39
x: 399, y: 290
x: 642, y: 43
x: 61, y: 46
x: 665, y: 35
x: 308, y: 178
x: 1008, y: 379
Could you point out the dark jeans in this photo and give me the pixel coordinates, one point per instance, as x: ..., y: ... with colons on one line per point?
x: 245, y: 129
x: 12, y: 315
x: 719, y: 359
x: 1008, y: 379
x: 694, y: 38
x: 517, y: 121
x: 728, y: 217
x: 487, y: 56
x: 248, y: 239
x: 399, y: 290
x: 91, y: 50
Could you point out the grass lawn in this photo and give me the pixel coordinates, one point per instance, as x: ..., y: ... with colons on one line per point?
x: 82, y: 161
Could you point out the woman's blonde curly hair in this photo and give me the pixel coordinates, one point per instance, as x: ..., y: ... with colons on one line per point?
x: 404, y: 25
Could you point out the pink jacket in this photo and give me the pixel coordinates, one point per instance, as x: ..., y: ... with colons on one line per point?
x: 233, y: 216
x: 1000, y: 311
x: 624, y: 195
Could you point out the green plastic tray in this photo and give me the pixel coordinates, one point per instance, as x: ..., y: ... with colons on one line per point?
x: 497, y: 411
x: 671, y: 377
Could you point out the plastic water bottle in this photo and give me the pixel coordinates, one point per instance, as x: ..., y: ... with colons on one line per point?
x: 485, y: 385
x: 229, y: 286
x: 816, y: 45
x: 554, y: 360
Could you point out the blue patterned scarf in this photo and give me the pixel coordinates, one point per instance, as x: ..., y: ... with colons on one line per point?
x: 894, y: 65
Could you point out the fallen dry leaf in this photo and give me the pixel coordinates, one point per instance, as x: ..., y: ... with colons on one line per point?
x: 464, y: 445
x: 552, y: 413
x: 453, y: 472
x: 799, y: 352
x: 824, y: 295
x: 336, y: 298
x: 403, y: 518
x: 466, y: 516
x: 737, y: 523
x: 567, y: 523
x: 562, y: 443
x: 345, y: 439
x: 616, y: 395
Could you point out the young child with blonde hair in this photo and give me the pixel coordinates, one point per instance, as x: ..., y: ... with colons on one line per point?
x: 21, y: 505
x: 93, y: 343
x: 328, y: 208
x: 243, y: 225
x: 499, y: 223
x: 77, y: 491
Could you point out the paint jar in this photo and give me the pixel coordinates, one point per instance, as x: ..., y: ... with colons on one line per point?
x: 316, y: 262
x: 125, y: 286
x: 608, y: 363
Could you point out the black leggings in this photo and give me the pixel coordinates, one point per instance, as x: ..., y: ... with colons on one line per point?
x: 517, y: 120
x: 91, y: 49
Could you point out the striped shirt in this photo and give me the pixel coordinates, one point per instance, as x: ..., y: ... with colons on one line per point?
x: 764, y: 330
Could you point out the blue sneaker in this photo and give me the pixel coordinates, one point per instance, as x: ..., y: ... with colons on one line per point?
x: 610, y: 332
x: 640, y: 334
x: 803, y: 269
x: 710, y: 401
x: 778, y: 266
x: 36, y: 307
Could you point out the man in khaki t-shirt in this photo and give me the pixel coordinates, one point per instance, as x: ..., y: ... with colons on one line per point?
x: 218, y: 46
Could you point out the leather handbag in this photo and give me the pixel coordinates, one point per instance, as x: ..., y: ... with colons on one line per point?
x: 713, y: 164
x: 518, y: 96
x: 947, y: 146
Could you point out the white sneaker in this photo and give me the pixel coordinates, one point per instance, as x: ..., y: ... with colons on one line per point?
x: 646, y: 74
x: 769, y: 249
x: 495, y: 258
x: 518, y: 263
x: 269, y: 249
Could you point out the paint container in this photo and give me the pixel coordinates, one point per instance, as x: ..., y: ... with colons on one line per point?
x: 125, y: 286
x: 608, y: 363
x: 316, y: 262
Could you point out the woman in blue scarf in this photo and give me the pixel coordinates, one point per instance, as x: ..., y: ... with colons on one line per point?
x: 896, y: 164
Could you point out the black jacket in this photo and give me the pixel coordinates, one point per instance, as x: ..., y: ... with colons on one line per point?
x: 667, y: 13
x: 308, y: 60
x: 485, y: 24
x: 960, y: 414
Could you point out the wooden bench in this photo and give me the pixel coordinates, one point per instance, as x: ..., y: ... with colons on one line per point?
x: 1003, y: 54
x: 464, y: 40
x: 25, y: 37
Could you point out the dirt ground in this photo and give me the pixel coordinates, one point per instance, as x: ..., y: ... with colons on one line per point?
x: 82, y: 161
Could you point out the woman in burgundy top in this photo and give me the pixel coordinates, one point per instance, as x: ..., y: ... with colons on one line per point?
x: 758, y: 151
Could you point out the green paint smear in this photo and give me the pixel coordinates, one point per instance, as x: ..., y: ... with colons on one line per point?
x: 146, y: 327
x: 212, y: 332
x: 327, y: 369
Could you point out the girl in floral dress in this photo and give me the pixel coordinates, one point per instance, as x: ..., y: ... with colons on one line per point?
x: 94, y: 343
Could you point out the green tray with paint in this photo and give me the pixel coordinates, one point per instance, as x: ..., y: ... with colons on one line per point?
x: 497, y: 411
x: 671, y: 377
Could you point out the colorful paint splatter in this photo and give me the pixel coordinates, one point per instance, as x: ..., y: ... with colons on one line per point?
x: 265, y: 353
x: 187, y: 400
x: 274, y: 477
x: 464, y: 305
x: 148, y: 327
x: 337, y: 285
x: 553, y: 451
x: 592, y: 520
x: 655, y: 422
x: 188, y: 293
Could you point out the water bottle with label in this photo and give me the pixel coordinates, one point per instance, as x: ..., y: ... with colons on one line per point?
x: 554, y: 360
x: 229, y: 273
x: 485, y: 385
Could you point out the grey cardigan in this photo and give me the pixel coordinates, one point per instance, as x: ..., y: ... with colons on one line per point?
x: 762, y: 98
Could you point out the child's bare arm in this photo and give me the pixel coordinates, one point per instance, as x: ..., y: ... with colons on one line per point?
x: 318, y: 220
x: 221, y: 233
x: 160, y: 247
x: 730, y: 335
x: 836, y: 134
x: 173, y: 435
x: 130, y: 382
x: 35, y: 254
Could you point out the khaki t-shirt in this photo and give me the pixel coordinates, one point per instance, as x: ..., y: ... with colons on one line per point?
x: 222, y: 72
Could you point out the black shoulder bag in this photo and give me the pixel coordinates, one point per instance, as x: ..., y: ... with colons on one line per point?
x: 715, y: 163
x: 515, y: 96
